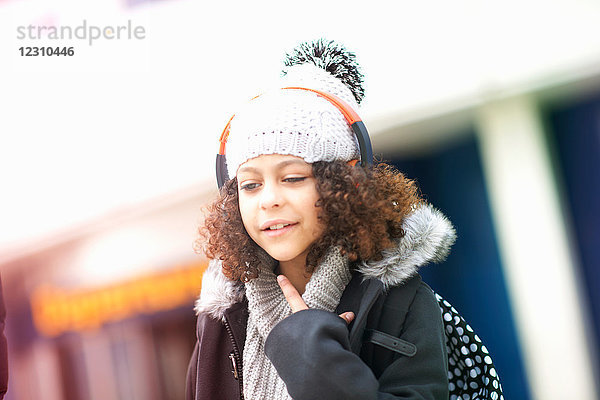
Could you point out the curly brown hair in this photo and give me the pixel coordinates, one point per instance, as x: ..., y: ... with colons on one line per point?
x: 362, y: 210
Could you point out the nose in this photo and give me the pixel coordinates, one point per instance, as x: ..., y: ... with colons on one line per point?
x: 270, y: 196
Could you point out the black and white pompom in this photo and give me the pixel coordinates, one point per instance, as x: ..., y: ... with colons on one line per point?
x: 333, y: 58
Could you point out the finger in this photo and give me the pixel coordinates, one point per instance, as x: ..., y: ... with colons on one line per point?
x: 348, y: 316
x: 291, y: 294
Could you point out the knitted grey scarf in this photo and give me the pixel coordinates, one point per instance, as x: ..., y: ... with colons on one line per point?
x: 267, y: 306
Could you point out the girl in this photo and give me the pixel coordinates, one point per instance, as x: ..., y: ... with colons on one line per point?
x: 312, y: 291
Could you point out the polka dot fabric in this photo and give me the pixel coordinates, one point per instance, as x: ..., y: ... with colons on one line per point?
x: 471, y: 372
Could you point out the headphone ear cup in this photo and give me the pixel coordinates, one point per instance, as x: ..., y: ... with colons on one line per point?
x: 221, y: 168
x: 364, y: 143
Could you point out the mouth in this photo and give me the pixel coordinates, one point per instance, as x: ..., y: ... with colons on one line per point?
x: 279, y: 229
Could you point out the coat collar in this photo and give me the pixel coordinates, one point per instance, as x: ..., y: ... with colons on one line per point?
x: 428, y: 236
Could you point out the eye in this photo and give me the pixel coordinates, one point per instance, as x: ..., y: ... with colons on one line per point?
x: 249, y: 186
x: 295, y: 179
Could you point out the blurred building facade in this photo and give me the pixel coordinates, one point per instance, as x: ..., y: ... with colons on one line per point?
x: 105, y: 312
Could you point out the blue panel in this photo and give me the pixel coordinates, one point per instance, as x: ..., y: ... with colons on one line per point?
x: 575, y: 130
x: 471, y: 278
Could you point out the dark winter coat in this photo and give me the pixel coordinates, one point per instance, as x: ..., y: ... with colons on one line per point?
x: 394, y: 348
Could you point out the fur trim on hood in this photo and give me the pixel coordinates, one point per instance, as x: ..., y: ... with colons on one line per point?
x: 428, y: 236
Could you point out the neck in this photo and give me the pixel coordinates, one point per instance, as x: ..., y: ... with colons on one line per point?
x: 295, y: 271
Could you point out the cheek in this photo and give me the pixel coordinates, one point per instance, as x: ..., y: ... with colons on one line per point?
x: 309, y: 204
x: 245, y: 212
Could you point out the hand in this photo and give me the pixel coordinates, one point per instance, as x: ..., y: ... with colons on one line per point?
x: 297, y: 303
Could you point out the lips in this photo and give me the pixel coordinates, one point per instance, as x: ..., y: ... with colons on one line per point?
x: 276, y: 224
x: 277, y: 227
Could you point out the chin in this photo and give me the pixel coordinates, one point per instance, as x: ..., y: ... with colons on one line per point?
x: 282, y: 255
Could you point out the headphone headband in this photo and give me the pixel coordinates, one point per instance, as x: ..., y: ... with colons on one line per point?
x: 358, y: 127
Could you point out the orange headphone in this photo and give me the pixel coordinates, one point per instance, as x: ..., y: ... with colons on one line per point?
x: 358, y: 127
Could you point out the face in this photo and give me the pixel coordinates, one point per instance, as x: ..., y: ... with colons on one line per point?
x: 277, y: 196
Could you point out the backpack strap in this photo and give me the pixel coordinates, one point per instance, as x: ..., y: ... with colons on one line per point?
x: 471, y: 372
x: 390, y: 342
x: 391, y: 306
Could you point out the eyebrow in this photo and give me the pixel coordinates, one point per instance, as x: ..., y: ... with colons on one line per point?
x: 281, y: 164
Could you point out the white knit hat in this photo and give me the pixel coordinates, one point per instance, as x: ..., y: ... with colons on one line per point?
x: 299, y: 122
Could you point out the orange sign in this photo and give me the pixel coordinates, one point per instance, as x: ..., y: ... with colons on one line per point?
x: 56, y: 310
